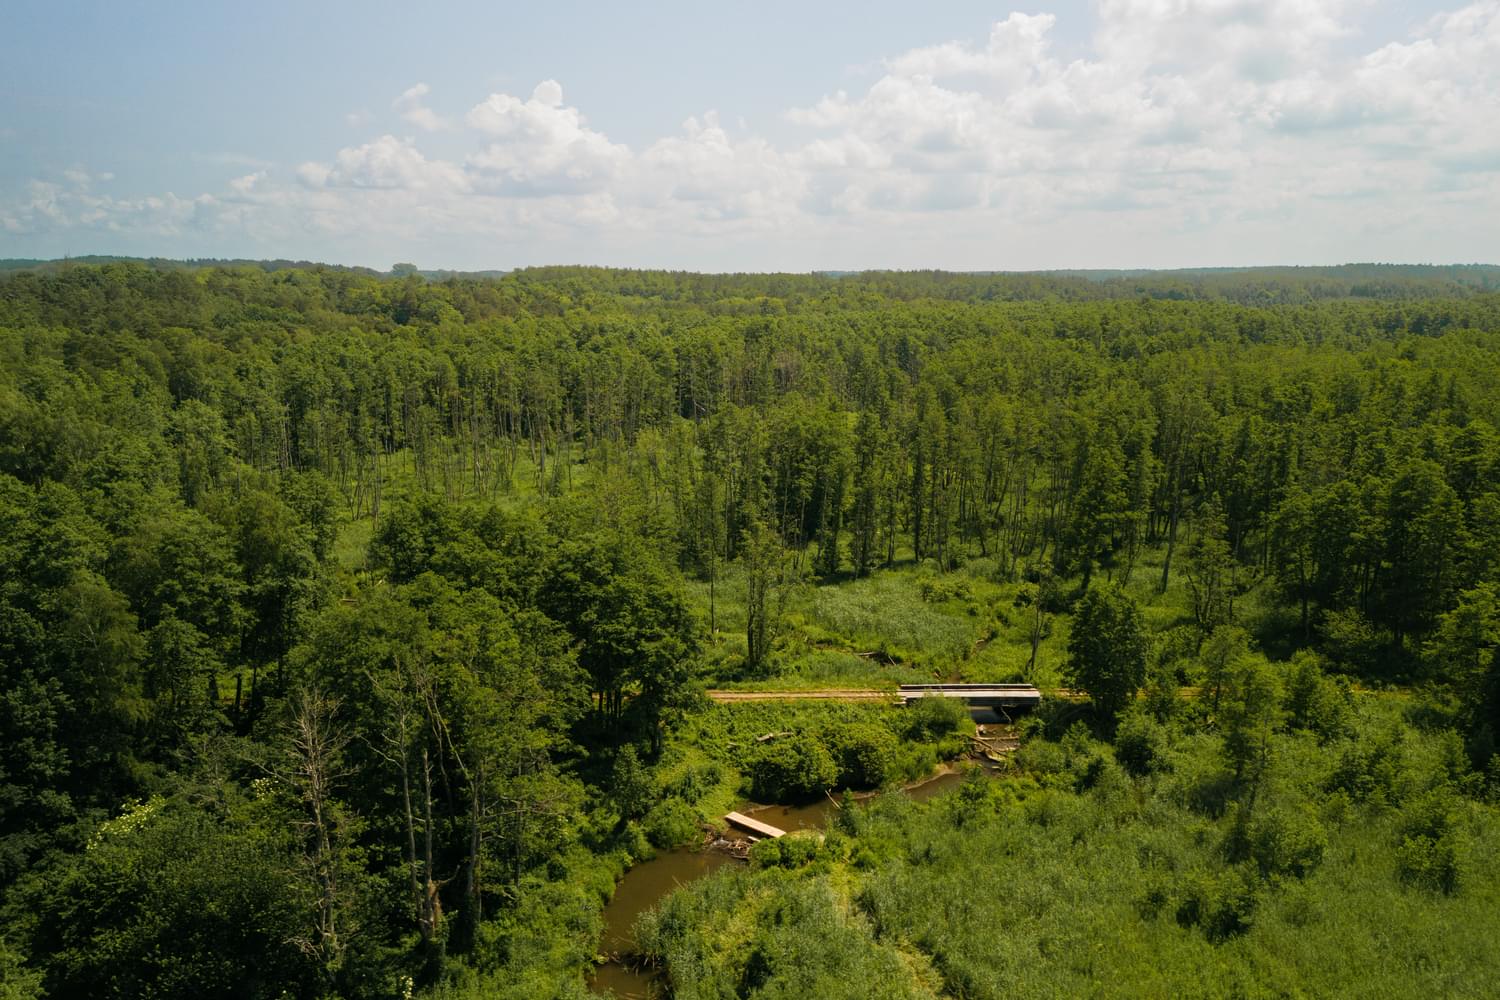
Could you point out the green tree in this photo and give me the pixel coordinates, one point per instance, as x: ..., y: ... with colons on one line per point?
x: 1249, y: 714
x: 770, y: 579
x: 1210, y: 570
x: 1462, y: 651
x: 1423, y: 533
x: 1107, y: 649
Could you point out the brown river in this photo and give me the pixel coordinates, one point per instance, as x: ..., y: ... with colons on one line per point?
x: 648, y: 882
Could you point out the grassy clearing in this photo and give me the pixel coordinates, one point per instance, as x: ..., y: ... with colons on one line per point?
x: 912, y: 624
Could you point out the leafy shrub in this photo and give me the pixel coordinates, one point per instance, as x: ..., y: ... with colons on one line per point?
x: 695, y: 782
x: 865, y: 753
x: 1287, y: 843
x: 634, y: 842
x: 1371, y: 768
x: 798, y: 849
x: 1140, y: 743
x: 671, y: 823
x: 630, y: 783
x: 1163, y: 699
x: 1353, y: 642
x: 984, y: 569
x: 791, y: 769
x: 1429, y: 862
x: 1429, y: 854
x: 914, y: 761
x: 930, y: 719
x: 938, y: 589
x: 1313, y: 701
x: 1222, y: 904
x: 766, y: 853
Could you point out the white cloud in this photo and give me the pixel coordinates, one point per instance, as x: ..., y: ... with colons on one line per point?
x: 81, y: 178
x: 387, y: 163
x: 1186, y: 131
x: 1015, y: 53
x: 247, y: 183
x: 540, y: 146
x: 412, y: 109
x: 706, y: 175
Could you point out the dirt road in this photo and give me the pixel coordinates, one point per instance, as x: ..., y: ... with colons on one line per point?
x: 826, y: 694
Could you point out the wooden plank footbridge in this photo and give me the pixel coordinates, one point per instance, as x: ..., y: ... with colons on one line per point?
x: 752, y: 825
x: 975, y: 695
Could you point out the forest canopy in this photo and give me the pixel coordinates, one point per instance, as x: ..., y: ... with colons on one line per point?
x: 354, y: 628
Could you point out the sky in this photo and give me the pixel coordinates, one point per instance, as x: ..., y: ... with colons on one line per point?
x: 773, y: 136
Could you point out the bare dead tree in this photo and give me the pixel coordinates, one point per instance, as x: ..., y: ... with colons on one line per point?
x: 397, y: 747
x: 312, y: 765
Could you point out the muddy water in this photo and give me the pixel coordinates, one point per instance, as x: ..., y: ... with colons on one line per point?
x: 647, y: 883
x: 815, y: 815
x: 641, y: 888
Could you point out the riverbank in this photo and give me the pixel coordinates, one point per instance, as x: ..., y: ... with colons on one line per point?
x: 650, y: 881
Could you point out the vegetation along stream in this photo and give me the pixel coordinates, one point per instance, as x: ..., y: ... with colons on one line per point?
x: 650, y: 881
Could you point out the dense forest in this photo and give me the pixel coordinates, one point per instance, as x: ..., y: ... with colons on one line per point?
x: 355, y: 628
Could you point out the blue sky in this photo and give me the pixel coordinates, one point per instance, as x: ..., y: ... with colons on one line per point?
x: 954, y: 134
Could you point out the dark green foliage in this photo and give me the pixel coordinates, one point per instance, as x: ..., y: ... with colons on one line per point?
x: 864, y: 752
x: 1107, y: 649
x: 1372, y: 767
x: 672, y: 823
x: 1140, y: 743
x: 631, y: 786
x: 167, y: 901
x: 1431, y: 845
x: 932, y: 719
x: 1250, y: 711
x: 774, y: 953
x: 1222, y: 904
x: 1283, y: 842
x: 429, y: 525
x: 1314, y: 701
x: 791, y: 851
x: 791, y: 769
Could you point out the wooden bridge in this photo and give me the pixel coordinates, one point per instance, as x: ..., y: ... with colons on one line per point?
x: 975, y: 695
x: 753, y: 825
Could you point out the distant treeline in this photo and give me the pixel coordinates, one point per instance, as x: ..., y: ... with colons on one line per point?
x: 1249, y: 285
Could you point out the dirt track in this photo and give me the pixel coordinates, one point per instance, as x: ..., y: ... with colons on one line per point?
x: 850, y: 694
x: 827, y: 694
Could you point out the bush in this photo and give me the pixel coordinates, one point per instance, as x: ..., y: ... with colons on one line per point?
x: 1222, y: 904
x: 1163, y: 699
x: 1313, y: 701
x: 672, y: 823
x: 1429, y: 854
x: 792, y: 851
x: 1286, y: 843
x: 938, y: 589
x: 630, y: 783
x: 695, y: 782
x: 791, y: 769
x: 865, y: 753
x: 1353, y: 642
x: 931, y: 719
x: 1140, y: 743
x: 766, y: 853
x: 1430, y: 862
x: 1372, y: 768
